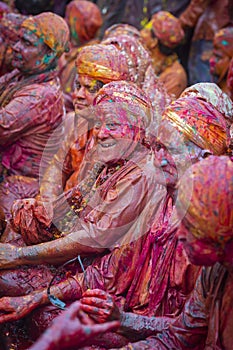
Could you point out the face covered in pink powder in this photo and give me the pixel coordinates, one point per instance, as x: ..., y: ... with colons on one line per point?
x: 120, y: 116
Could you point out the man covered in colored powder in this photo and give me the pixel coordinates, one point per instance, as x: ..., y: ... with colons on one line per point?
x: 31, y: 102
x: 161, y: 35
x: 206, y: 231
x: 221, y: 57
x: 84, y: 19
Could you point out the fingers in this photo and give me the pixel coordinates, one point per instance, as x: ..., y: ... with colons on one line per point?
x: 104, y: 327
x: 73, y: 310
x: 95, y: 302
x: 85, y: 319
x: 96, y: 293
x: 93, y: 310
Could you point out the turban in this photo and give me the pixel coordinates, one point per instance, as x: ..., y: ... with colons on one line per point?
x: 137, y: 56
x: 223, y: 40
x: 167, y: 28
x: 211, y: 93
x: 122, y: 28
x: 200, y: 122
x: 102, y: 62
x: 123, y: 93
x: 84, y: 19
x: 210, y: 208
x: 51, y: 28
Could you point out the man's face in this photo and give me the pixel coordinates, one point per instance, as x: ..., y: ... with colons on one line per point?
x: 200, y: 251
x: 219, y: 63
x: 85, y: 91
x: 30, y: 54
x: 114, y: 140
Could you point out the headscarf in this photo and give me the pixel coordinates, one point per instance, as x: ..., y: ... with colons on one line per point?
x: 130, y: 95
x: 102, y: 62
x: 210, y: 208
x: 167, y: 28
x: 200, y: 122
x: 51, y: 28
x: 137, y: 56
x: 211, y: 93
x: 84, y: 19
x: 121, y: 28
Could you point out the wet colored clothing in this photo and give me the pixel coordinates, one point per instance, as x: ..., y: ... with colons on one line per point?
x: 27, y: 121
x: 206, y: 321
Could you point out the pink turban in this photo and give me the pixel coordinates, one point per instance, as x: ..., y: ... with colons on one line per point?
x: 210, y: 208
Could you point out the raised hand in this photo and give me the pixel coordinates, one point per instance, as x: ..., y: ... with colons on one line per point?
x: 72, y: 329
x: 99, y: 305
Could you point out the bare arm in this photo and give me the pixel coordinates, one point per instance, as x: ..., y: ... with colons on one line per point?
x: 191, y: 14
x: 57, y: 251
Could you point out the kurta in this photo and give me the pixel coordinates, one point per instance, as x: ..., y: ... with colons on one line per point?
x: 207, y: 320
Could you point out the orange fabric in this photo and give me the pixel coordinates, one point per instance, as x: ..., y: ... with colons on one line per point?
x: 84, y: 19
x: 51, y: 28
x: 210, y: 213
x: 200, y: 122
x: 167, y: 28
x: 102, y: 62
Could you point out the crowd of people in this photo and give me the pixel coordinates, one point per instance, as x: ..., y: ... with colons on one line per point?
x: 116, y: 175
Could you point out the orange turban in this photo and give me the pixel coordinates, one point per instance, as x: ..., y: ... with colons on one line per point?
x: 51, y: 28
x: 167, y: 28
x: 102, y: 62
x: 200, y: 123
x: 84, y: 19
x: 130, y: 95
x: 210, y: 208
x: 211, y: 93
